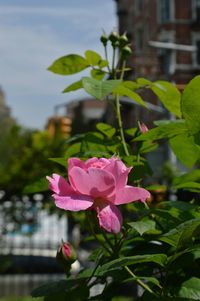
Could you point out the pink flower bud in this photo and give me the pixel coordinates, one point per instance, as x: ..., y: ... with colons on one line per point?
x: 66, y: 250
x: 66, y: 254
x: 143, y: 128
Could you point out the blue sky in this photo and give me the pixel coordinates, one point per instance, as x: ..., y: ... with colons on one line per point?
x: 33, y: 33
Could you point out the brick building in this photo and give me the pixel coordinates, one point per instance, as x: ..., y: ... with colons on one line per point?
x: 165, y: 36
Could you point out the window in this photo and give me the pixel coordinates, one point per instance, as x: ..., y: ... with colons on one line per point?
x: 198, y: 52
x: 198, y: 10
x: 139, y: 5
x: 165, y: 10
x: 139, y: 39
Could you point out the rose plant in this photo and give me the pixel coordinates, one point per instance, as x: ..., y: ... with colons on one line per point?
x: 156, y: 247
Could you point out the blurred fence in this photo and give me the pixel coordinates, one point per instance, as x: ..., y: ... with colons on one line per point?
x: 29, y: 238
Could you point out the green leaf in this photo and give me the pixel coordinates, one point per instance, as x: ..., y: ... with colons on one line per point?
x: 192, y: 253
x: 130, y: 85
x: 190, y: 186
x: 121, y: 90
x: 73, y: 87
x: 190, y: 289
x: 180, y: 236
x: 185, y: 149
x: 37, y: 186
x: 169, y: 95
x: 69, y: 64
x: 144, y: 82
x: 159, y: 259
x: 166, y: 130
x: 143, y: 226
x: 193, y: 176
x: 61, y: 161
x: 97, y: 74
x: 99, y: 89
x: 92, y: 57
x: 190, y: 105
x: 106, y: 129
x: 103, y: 63
x: 147, y: 146
x: 53, y: 288
x: 131, y: 132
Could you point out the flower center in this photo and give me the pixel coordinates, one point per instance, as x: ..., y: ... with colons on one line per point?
x: 98, y: 164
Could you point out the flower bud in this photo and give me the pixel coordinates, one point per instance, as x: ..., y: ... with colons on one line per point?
x: 66, y: 255
x: 126, y: 51
x: 143, y: 128
x: 104, y: 39
x: 123, y: 40
x: 114, y: 38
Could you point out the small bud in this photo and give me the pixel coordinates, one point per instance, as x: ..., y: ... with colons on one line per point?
x: 126, y: 51
x: 114, y: 37
x: 104, y: 39
x: 143, y: 128
x: 123, y: 40
x: 66, y: 255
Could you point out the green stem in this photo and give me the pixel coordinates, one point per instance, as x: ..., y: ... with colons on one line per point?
x: 107, y: 240
x: 118, y: 112
x: 119, y: 119
x: 106, y: 57
x: 139, y: 281
x: 96, y: 237
x: 123, y: 69
x: 113, y: 62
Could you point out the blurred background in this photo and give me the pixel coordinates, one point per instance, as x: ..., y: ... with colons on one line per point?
x: 35, y: 117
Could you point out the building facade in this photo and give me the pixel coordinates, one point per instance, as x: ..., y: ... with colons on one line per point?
x: 165, y: 37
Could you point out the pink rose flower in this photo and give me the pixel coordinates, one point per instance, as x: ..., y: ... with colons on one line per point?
x: 96, y: 184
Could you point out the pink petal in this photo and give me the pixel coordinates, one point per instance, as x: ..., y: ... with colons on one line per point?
x: 119, y: 171
x: 59, y: 185
x: 94, y: 182
x: 130, y: 194
x: 73, y: 202
x: 91, y: 161
x: 75, y: 162
x: 110, y: 217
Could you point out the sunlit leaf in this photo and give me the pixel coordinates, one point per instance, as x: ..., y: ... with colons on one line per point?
x: 69, y: 64
x: 169, y: 95
x: 73, y: 87
x: 121, y: 90
x: 190, y: 105
x: 185, y: 149
x: 143, y: 226
x: 92, y: 57
x: 99, y: 89
x: 106, y: 129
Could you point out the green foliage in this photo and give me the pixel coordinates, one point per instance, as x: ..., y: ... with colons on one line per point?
x: 169, y: 95
x: 190, y: 105
x: 143, y: 226
x: 99, y: 89
x: 191, y: 153
x: 189, y: 289
x: 73, y: 87
x: 93, y: 57
x: 69, y: 64
x: 22, y: 149
x: 122, y: 90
